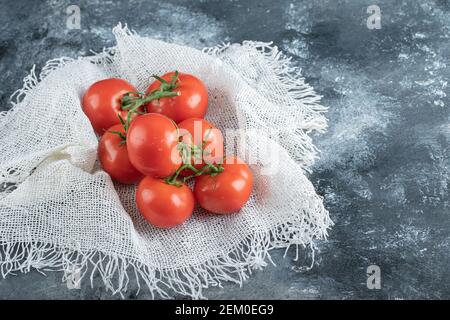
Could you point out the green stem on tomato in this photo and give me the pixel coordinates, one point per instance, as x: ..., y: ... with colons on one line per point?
x: 134, y: 104
x: 207, y: 169
x: 213, y: 170
x: 167, y: 86
x: 173, y: 179
x: 132, y: 101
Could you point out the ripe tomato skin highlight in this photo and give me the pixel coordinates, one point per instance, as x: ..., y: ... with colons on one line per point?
x: 198, y: 131
x: 114, y: 157
x: 226, y: 192
x: 102, y: 102
x: 191, y: 103
x: 152, y: 141
x: 162, y: 204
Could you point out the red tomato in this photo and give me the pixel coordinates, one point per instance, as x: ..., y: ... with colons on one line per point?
x: 191, y: 103
x: 228, y: 191
x: 102, y: 103
x: 162, y: 204
x: 113, y: 156
x: 207, y: 139
x: 152, y: 142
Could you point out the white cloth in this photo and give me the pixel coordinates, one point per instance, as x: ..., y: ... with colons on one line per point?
x: 60, y: 211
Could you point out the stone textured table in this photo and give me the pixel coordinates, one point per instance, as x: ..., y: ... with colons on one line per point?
x: 385, y: 163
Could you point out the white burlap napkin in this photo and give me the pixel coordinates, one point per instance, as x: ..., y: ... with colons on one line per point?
x: 60, y: 211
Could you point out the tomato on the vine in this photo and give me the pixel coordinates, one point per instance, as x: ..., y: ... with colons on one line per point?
x: 162, y: 204
x: 225, y: 192
x: 113, y: 155
x: 102, y: 103
x: 152, y: 142
x: 202, y: 141
x: 192, y: 101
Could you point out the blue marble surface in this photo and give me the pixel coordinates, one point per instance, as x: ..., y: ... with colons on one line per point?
x: 384, y: 169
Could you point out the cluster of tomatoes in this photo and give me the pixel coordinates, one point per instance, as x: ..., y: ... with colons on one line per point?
x: 160, y: 140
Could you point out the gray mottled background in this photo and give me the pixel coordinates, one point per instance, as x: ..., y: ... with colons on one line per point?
x: 384, y: 167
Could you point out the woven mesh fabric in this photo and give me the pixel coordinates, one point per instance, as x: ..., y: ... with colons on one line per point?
x: 60, y: 211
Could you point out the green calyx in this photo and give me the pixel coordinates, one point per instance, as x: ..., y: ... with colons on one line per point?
x: 189, y: 152
x: 132, y: 101
x: 209, y: 169
x: 167, y: 85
